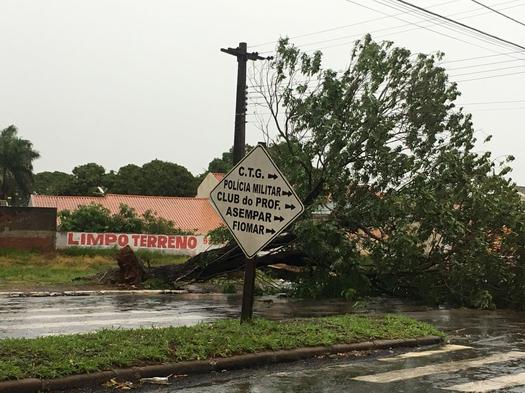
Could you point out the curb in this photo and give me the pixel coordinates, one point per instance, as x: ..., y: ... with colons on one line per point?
x: 96, y: 293
x: 33, y: 385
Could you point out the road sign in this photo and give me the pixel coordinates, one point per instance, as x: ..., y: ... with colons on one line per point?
x: 255, y: 201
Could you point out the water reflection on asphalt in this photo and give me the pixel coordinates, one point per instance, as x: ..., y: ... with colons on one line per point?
x: 487, y: 333
x: 39, y: 316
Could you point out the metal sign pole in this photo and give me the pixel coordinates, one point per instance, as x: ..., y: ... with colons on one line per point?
x: 257, y: 203
x: 248, y: 290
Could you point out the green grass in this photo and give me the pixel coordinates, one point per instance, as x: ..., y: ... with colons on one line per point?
x: 56, y: 356
x: 25, y: 269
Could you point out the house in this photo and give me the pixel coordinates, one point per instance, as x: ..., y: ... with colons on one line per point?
x: 521, y: 191
x: 208, y: 183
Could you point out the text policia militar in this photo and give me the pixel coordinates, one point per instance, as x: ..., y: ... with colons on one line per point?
x: 255, y: 205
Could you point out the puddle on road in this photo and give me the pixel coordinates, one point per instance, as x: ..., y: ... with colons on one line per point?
x: 487, y: 332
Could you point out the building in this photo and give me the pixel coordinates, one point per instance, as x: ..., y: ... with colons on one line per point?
x: 208, y: 183
x: 521, y: 191
x: 188, y: 213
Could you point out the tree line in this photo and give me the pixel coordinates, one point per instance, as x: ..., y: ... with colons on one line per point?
x: 157, y: 177
x: 153, y: 178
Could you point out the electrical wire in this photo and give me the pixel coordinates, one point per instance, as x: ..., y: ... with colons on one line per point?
x: 377, y: 30
x: 345, y: 26
x: 327, y: 30
x: 484, y: 64
x: 483, y: 71
x: 492, y: 76
x: 389, y: 28
x: 479, y: 57
x: 394, y: 4
x: 498, y: 12
x: 435, y: 14
x: 493, y: 102
x: 397, y: 8
x: 501, y: 109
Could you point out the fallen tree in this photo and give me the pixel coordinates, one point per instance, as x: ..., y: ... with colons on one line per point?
x: 204, y: 266
x: 412, y: 208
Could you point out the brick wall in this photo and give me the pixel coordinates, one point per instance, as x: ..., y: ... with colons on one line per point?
x: 28, y: 228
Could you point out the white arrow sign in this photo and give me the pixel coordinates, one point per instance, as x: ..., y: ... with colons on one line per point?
x: 255, y: 201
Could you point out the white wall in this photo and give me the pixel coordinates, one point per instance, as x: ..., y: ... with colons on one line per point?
x: 170, y: 244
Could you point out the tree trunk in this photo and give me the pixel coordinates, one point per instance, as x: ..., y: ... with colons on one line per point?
x: 230, y: 258
x: 206, y: 265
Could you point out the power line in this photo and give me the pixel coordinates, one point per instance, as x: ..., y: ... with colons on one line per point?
x: 484, y: 64
x: 498, y: 12
x: 490, y: 77
x: 480, y: 57
x: 388, y: 28
x: 456, y: 29
x: 419, y: 26
x: 315, y: 81
x: 501, y: 109
x: 493, y: 102
x: 327, y: 30
x: 483, y: 71
x: 435, y: 14
x: 338, y: 27
x: 349, y: 25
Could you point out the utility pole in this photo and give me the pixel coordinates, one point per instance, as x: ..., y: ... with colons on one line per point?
x: 239, y: 146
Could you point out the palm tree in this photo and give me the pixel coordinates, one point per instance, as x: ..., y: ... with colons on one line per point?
x: 16, y: 164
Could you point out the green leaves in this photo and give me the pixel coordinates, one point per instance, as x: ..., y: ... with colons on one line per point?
x: 397, y: 162
x: 16, y: 166
x: 96, y: 218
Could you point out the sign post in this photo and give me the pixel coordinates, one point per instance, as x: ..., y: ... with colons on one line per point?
x: 256, y: 203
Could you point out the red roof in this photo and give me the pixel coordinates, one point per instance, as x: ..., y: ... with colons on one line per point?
x: 191, y: 214
x: 218, y: 176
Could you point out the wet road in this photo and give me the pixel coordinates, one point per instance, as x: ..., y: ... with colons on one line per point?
x: 41, y: 316
x: 486, y: 351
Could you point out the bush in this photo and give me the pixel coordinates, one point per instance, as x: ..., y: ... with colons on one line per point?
x: 96, y: 218
x: 220, y: 235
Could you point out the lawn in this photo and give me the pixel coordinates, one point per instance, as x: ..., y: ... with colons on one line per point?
x: 56, y: 356
x: 20, y: 270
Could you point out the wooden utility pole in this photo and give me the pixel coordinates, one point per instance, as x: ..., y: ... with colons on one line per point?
x: 239, y: 147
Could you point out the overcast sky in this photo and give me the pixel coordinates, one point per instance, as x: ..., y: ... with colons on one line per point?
x: 128, y: 81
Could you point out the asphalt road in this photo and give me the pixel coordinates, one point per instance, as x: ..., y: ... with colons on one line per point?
x: 486, y: 350
x: 486, y: 353
x: 41, y: 316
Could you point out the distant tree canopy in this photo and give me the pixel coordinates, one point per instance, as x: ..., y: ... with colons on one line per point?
x: 16, y: 166
x: 153, y: 178
x: 51, y: 183
x: 222, y: 164
x: 225, y: 162
x: 96, y: 218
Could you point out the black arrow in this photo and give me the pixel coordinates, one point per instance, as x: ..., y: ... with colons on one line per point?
x: 287, y: 193
x: 272, y: 176
x: 287, y: 206
x: 272, y: 231
x: 278, y: 218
